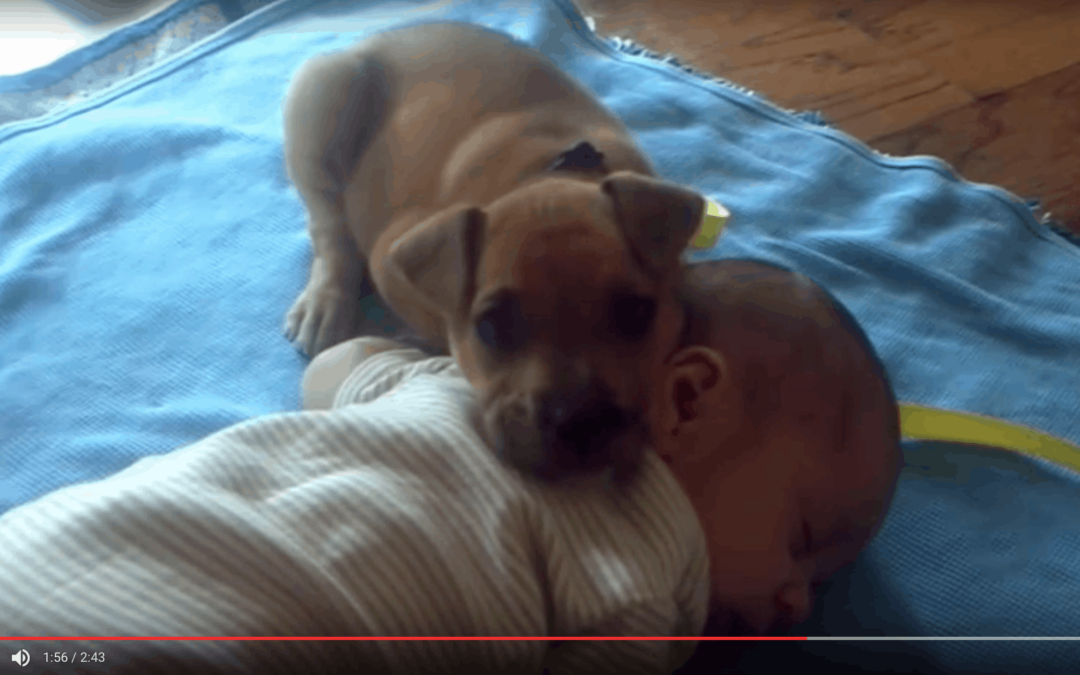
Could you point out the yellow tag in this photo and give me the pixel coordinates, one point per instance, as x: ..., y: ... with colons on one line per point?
x: 713, y: 222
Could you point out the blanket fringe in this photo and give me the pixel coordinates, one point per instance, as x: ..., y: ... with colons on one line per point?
x: 812, y: 117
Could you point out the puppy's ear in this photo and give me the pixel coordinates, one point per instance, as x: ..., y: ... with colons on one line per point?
x: 439, y: 258
x: 657, y: 218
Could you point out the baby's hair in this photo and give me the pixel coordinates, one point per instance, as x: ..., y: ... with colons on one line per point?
x: 847, y: 323
x: 778, y: 329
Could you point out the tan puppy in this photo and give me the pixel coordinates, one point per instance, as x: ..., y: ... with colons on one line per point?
x: 507, y: 217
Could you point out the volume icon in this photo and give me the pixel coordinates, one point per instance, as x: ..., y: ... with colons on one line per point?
x: 21, y: 657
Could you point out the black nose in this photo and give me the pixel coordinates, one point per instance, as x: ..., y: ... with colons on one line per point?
x: 581, y: 423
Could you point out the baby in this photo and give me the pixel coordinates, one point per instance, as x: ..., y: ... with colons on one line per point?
x: 777, y: 421
x: 379, y: 511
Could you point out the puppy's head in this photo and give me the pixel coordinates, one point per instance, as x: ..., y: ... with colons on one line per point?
x: 558, y: 305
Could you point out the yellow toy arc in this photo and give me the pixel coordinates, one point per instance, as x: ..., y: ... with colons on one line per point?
x: 936, y: 424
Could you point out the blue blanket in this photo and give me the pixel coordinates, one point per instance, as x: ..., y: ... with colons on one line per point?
x: 150, y: 245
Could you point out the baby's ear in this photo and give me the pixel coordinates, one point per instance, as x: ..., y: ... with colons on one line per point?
x: 694, y: 373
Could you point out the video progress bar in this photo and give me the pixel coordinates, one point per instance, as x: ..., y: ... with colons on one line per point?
x: 937, y: 639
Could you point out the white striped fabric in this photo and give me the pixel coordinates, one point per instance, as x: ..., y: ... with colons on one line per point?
x: 385, y: 516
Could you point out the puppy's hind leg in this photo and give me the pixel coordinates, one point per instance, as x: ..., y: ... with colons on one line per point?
x: 333, y: 109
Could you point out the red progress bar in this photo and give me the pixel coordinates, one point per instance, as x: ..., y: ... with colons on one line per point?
x: 552, y: 638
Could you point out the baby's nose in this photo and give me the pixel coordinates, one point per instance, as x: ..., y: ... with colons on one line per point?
x: 795, y: 602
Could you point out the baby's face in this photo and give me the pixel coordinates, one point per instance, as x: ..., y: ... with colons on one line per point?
x: 778, y: 523
x: 786, y: 502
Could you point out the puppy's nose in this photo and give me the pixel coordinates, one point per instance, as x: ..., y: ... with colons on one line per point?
x: 581, y: 421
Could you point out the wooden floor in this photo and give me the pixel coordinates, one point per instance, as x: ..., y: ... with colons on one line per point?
x: 990, y: 86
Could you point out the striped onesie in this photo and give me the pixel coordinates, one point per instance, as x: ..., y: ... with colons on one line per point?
x: 385, y: 516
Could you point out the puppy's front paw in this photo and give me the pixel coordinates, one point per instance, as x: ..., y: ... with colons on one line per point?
x: 323, y: 315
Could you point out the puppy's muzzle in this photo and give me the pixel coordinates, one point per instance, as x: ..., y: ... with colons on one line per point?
x: 575, y: 430
x: 580, y: 423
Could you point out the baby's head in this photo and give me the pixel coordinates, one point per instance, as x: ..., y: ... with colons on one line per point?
x: 777, y: 419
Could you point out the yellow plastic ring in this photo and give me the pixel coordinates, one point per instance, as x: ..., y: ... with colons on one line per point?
x: 935, y: 424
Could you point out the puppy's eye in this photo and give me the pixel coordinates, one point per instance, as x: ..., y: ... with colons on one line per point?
x: 632, y: 317
x: 502, y: 326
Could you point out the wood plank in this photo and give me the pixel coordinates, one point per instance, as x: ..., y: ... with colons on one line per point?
x: 800, y: 55
x: 1025, y: 139
x: 987, y: 47
x: 914, y: 27
x: 891, y: 85
x: 863, y: 88
x: 868, y: 14
x: 708, y: 29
